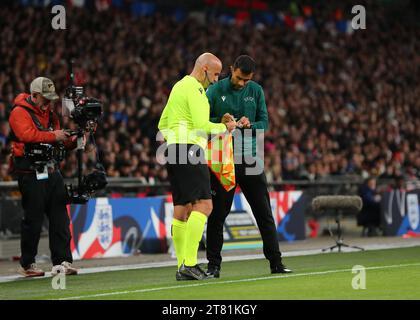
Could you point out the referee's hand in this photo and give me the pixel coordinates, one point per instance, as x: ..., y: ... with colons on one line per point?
x: 244, y: 123
x: 231, y: 125
x: 227, y: 117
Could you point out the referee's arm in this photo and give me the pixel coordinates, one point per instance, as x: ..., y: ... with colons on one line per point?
x: 200, y: 113
x: 210, y: 93
x: 163, y: 123
x: 261, y: 117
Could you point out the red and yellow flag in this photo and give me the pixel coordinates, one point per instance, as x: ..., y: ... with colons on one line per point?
x: 220, y: 160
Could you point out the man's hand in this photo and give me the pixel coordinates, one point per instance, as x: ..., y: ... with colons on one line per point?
x: 61, y: 135
x: 244, y: 123
x: 231, y: 125
x: 73, y: 139
x: 226, y: 118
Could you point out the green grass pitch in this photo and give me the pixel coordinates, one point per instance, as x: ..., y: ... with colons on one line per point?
x: 389, y: 274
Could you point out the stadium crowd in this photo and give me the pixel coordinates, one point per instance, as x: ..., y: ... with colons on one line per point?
x: 339, y: 102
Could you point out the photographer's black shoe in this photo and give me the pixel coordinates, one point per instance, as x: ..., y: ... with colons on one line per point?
x: 280, y: 269
x: 180, y: 277
x: 213, y: 272
x: 194, y: 272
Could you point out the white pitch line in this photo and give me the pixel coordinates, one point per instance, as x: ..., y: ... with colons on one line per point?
x: 168, y: 263
x: 202, y: 284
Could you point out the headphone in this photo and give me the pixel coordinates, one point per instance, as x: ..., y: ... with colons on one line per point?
x: 207, y: 77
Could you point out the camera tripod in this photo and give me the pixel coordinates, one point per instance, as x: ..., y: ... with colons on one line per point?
x: 339, y: 241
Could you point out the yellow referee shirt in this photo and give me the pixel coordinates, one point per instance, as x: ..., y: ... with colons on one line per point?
x: 186, y: 116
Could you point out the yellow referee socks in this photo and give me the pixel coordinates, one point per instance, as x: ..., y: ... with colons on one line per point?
x: 178, y: 237
x: 194, y: 233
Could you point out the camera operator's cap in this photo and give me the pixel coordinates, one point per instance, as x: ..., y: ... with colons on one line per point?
x: 45, y: 87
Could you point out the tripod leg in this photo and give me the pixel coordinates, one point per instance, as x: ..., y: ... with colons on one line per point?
x: 356, y: 247
x: 330, y: 248
x: 348, y: 246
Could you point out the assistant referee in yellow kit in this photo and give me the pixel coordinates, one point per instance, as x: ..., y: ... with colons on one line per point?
x: 185, y: 125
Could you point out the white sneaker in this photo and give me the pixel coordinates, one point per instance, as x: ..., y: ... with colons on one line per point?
x: 65, y: 267
x: 31, y: 271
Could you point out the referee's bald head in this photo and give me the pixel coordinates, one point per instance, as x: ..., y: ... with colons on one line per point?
x: 208, y: 59
x: 207, y: 69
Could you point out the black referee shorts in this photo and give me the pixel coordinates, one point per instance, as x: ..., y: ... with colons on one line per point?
x: 188, y: 173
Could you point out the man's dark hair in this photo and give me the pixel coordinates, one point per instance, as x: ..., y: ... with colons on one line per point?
x: 245, y: 63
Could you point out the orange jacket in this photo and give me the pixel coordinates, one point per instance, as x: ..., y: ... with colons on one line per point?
x: 25, y: 129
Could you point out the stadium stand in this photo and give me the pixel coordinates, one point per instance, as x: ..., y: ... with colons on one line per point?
x: 341, y: 102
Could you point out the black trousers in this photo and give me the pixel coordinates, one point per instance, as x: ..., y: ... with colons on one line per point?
x: 254, y: 188
x: 41, y: 197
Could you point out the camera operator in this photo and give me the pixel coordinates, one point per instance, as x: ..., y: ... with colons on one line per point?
x: 35, y: 127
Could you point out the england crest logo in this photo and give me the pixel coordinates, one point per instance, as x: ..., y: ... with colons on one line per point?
x: 103, y: 213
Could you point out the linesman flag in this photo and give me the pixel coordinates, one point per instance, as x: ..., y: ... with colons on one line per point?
x: 220, y: 160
